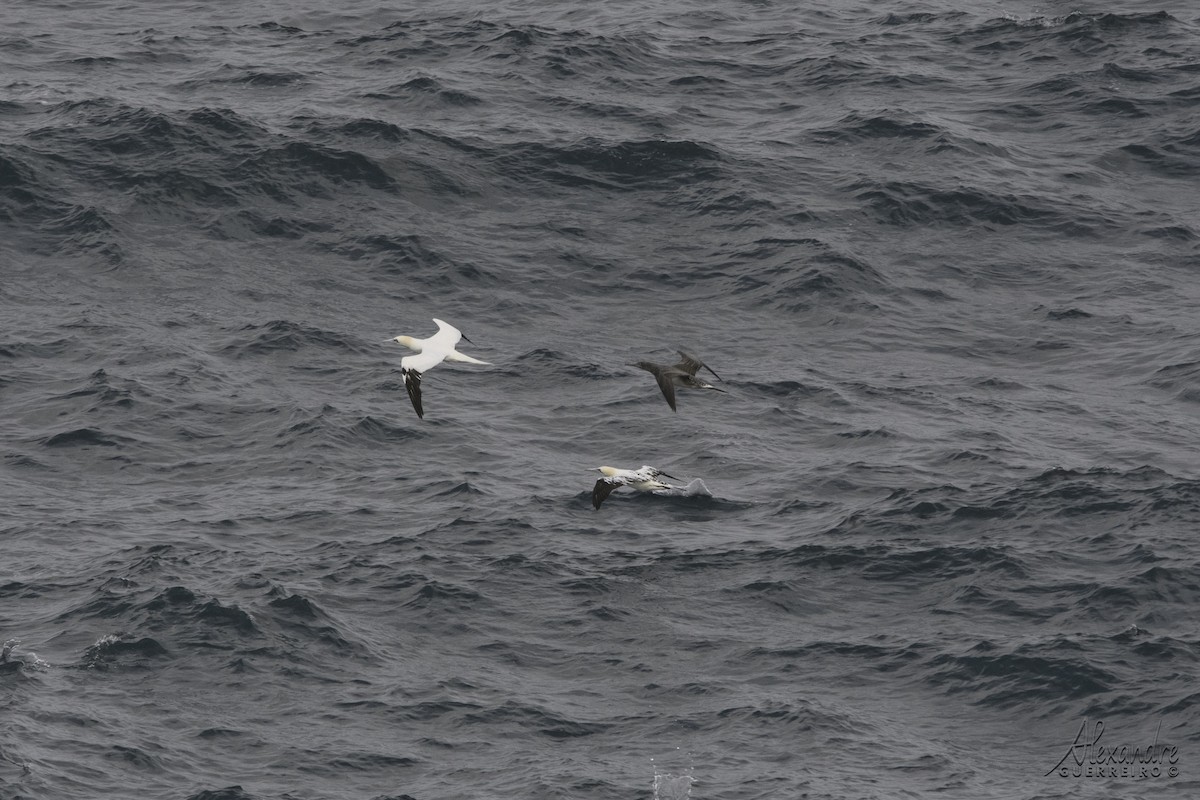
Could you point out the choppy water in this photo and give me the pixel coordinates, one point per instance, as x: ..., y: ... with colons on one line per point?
x: 944, y: 257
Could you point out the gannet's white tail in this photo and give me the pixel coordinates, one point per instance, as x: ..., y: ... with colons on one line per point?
x: 454, y: 355
x: 695, y: 488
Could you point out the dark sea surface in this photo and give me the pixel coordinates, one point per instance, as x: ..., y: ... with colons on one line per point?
x: 946, y: 258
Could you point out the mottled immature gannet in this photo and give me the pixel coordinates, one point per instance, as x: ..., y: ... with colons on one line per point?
x: 430, y: 352
x: 682, y: 375
x: 644, y: 479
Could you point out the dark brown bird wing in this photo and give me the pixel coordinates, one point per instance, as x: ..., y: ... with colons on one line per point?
x: 663, y: 376
x: 665, y: 383
x: 691, y: 365
x: 603, y: 488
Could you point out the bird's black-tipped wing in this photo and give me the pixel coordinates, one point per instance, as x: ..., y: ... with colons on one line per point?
x: 412, y: 382
x: 691, y: 365
x: 603, y: 488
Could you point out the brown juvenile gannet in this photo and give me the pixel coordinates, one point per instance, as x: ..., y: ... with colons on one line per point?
x: 682, y: 375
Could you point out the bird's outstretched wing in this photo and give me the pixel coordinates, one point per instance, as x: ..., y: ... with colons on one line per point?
x: 412, y: 383
x: 654, y: 472
x: 447, y: 336
x: 603, y: 488
x: 667, y: 385
x: 411, y: 367
x: 691, y: 365
x: 663, y: 376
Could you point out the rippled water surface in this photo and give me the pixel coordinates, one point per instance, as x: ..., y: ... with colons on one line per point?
x: 944, y: 258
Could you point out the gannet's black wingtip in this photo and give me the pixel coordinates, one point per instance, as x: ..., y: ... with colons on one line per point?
x: 412, y: 383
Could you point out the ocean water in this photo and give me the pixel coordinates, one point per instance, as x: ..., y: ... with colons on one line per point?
x: 944, y: 257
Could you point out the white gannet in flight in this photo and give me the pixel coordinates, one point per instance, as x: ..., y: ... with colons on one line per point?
x: 682, y: 374
x: 430, y: 352
x: 644, y: 479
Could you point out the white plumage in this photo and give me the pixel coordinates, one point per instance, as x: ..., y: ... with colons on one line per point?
x: 430, y: 351
x: 643, y: 479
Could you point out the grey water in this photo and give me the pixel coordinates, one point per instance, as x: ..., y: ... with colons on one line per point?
x: 943, y: 256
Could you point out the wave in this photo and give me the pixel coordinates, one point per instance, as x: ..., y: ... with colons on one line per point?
x: 619, y: 166
x: 908, y: 203
x: 1036, y: 675
x: 424, y: 90
x: 286, y: 336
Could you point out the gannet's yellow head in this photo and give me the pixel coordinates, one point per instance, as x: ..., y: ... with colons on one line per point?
x: 607, y: 472
x: 406, y: 341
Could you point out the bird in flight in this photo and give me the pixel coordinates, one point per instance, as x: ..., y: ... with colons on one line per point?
x: 682, y: 375
x: 644, y: 479
x: 429, y: 353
